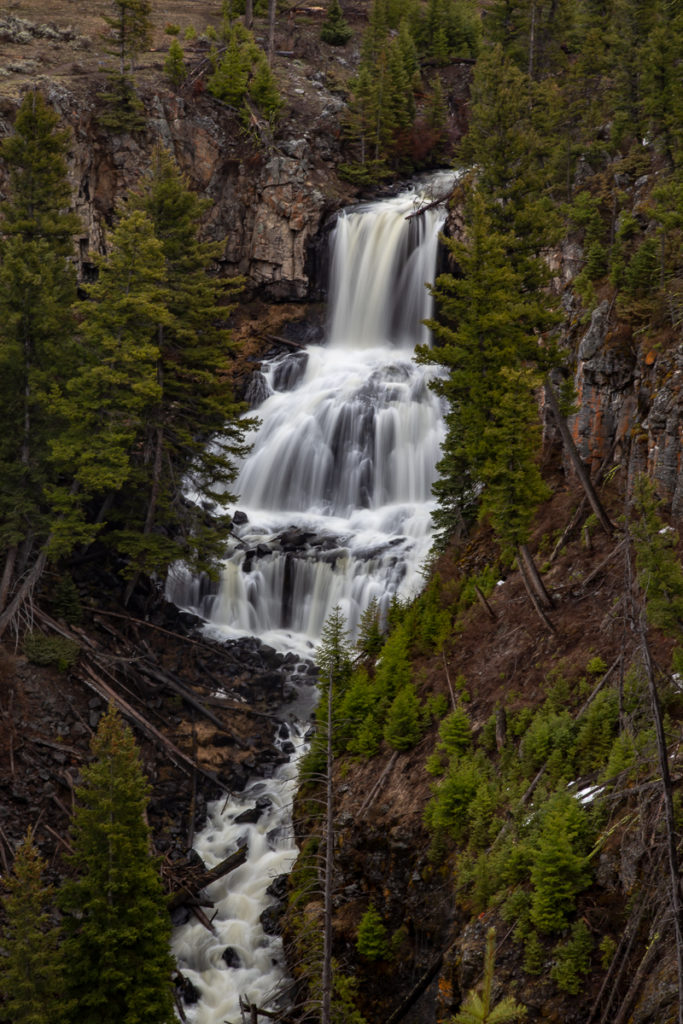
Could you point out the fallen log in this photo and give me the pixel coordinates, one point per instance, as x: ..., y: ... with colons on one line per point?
x: 181, y: 760
x: 189, y: 893
x: 279, y: 340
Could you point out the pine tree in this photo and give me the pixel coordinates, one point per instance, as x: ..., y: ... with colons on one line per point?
x: 335, y: 29
x: 480, y: 327
x: 659, y: 570
x: 30, y: 974
x: 477, y: 1009
x: 106, y: 402
x: 514, y: 170
x: 333, y: 655
x: 193, y: 434
x: 131, y: 30
x: 513, y: 486
x: 403, y: 726
x: 559, y: 869
x: 372, y: 940
x: 174, y: 65
x: 37, y: 290
x: 117, y: 957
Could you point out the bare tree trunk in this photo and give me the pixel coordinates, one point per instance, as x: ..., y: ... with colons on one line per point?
x: 7, y: 574
x: 575, y: 458
x: 249, y: 14
x: 667, y: 792
x: 24, y: 591
x: 534, y: 600
x: 534, y: 576
x: 272, y: 4
x: 329, y: 866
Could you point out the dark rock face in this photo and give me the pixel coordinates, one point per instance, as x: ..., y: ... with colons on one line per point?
x: 630, y: 402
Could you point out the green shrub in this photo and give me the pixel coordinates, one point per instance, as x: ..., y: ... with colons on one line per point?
x: 455, y: 733
x: 174, y: 65
x: 51, y: 650
x: 335, y: 29
x: 372, y: 940
x: 559, y: 870
x: 449, y: 809
x: 573, y: 959
x: 403, y: 726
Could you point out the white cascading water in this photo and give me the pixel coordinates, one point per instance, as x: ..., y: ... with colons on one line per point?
x: 335, y: 496
x: 335, y: 505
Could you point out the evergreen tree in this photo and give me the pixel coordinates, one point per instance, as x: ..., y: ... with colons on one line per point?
x: 372, y: 940
x: 116, y: 950
x: 242, y: 71
x: 513, y: 486
x: 477, y: 1009
x: 514, y: 170
x: 335, y: 29
x: 30, y: 976
x: 370, y: 635
x: 559, y: 870
x: 480, y: 327
x: 106, y: 402
x: 131, y: 30
x: 123, y: 110
x: 174, y: 65
x: 333, y: 655
x: 37, y: 290
x: 659, y: 570
x: 403, y: 726
x: 192, y: 432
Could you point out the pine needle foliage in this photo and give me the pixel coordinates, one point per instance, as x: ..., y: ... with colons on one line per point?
x: 478, y: 1009
x: 30, y: 970
x: 117, y: 954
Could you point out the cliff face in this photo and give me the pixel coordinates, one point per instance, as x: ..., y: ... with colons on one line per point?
x: 268, y: 200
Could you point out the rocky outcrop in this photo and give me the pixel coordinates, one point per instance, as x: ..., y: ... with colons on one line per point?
x: 630, y: 402
x: 268, y: 196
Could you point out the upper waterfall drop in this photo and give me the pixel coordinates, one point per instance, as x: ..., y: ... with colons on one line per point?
x: 335, y: 495
x: 381, y: 262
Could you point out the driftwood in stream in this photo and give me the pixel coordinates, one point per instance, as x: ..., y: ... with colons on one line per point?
x: 279, y: 340
x: 190, y: 890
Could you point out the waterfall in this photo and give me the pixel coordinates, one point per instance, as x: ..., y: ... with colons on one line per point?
x: 335, y: 497
x: 334, y: 509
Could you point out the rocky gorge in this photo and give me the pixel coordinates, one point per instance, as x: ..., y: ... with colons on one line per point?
x: 273, y: 193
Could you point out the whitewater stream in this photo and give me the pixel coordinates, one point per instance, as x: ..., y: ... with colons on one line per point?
x: 334, y: 509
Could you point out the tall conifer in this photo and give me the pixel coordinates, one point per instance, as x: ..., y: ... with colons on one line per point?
x: 117, y: 956
x: 30, y: 980
x: 37, y: 289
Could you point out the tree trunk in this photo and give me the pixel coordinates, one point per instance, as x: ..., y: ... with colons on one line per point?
x: 534, y: 600
x: 667, y: 793
x: 249, y: 14
x: 271, y: 29
x: 7, y: 575
x: 576, y: 460
x: 24, y: 591
x: 534, y: 576
x: 329, y: 865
